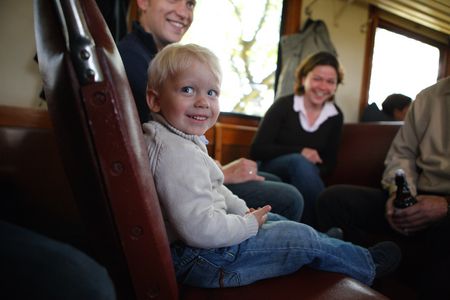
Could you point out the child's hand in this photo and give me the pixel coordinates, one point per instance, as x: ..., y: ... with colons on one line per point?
x: 261, y: 214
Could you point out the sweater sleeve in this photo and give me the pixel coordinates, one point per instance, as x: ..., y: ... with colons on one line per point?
x: 265, y: 145
x: 194, y: 202
x: 235, y: 205
x: 404, y: 149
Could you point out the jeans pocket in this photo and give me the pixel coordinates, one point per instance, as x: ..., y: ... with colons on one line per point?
x: 204, y: 273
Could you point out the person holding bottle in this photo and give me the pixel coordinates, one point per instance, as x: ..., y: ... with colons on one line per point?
x: 422, y: 149
x: 298, y: 137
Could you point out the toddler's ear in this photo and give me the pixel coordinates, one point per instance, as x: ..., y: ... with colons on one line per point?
x: 153, y: 100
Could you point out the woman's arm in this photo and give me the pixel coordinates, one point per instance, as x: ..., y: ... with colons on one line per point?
x: 265, y: 145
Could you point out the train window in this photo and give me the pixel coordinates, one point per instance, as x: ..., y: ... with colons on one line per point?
x: 401, y: 64
x: 244, y: 35
x: 402, y: 56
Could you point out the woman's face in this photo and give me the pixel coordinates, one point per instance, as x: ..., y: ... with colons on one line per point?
x: 320, y: 85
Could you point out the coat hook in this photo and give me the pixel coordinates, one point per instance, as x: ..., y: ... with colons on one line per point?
x: 363, y: 27
x: 308, y: 10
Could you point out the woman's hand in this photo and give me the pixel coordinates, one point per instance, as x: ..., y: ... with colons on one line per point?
x: 312, y: 155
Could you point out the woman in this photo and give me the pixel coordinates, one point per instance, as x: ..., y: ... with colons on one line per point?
x: 299, y: 136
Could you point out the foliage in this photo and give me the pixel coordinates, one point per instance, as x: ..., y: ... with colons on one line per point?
x: 254, y: 54
x: 244, y: 34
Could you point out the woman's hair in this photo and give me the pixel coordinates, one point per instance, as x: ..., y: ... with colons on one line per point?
x: 175, y: 58
x: 395, y: 101
x: 309, y: 63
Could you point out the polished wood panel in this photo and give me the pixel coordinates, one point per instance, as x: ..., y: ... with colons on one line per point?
x: 24, y: 117
x: 232, y: 141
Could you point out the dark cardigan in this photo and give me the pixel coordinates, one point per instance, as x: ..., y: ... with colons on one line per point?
x: 280, y: 133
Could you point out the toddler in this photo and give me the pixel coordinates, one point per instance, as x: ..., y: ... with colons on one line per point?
x: 215, y: 239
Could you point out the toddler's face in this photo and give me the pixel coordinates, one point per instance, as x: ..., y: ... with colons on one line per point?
x: 189, y: 101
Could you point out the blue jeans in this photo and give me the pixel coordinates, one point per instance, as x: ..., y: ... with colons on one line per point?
x: 281, y: 247
x: 33, y: 266
x: 301, y: 173
x: 284, y: 198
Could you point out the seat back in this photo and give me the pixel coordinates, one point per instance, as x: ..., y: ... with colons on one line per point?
x: 101, y: 144
x: 361, y: 154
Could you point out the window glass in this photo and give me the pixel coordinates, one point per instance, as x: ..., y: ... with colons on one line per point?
x: 401, y: 65
x: 244, y: 35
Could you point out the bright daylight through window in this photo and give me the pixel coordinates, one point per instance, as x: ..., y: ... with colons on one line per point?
x: 244, y: 35
x: 401, y: 65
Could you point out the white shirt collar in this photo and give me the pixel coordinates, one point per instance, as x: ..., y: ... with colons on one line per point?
x: 203, y: 139
x: 328, y: 111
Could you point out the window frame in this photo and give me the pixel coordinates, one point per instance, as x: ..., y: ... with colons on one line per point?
x: 378, y: 20
x: 290, y: 17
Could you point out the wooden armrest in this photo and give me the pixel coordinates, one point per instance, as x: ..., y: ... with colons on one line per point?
x: 237, y: 137
x: 12, y: 116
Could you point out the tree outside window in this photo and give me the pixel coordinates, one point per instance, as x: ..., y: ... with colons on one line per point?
x: 244, y: 35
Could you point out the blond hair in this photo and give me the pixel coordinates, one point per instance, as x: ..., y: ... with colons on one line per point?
x: 175, y: 58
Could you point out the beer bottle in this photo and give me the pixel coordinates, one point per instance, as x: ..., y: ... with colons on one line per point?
x: 403, y: 197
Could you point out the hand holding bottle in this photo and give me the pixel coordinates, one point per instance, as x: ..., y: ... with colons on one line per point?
x: 399, y: 219
x: 403, y: 197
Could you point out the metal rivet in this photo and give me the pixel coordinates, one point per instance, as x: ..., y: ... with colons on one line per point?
x: 90, y: 74
x: 117, y: 168
x: 137, y: 231
x: 84, y: 54
x: 152, y: 293
x: 99, y: 98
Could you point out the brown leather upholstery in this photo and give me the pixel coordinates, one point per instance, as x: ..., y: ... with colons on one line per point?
x: 98, y: 133
x: 34, y: 191
x: 305, y: 284
x: 361, y: 153
x: 100, y: 140
x: 360, y: 157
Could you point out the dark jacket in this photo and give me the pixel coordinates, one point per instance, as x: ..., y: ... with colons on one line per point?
x: 137, y: 50
x: 280, y: 133
x: 313, y: 38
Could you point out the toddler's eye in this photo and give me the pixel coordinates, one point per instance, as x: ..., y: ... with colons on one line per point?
x: 187, y: 89
x: 213, y: 93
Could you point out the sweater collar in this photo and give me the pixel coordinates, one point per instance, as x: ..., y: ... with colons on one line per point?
x: 191, y: 137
